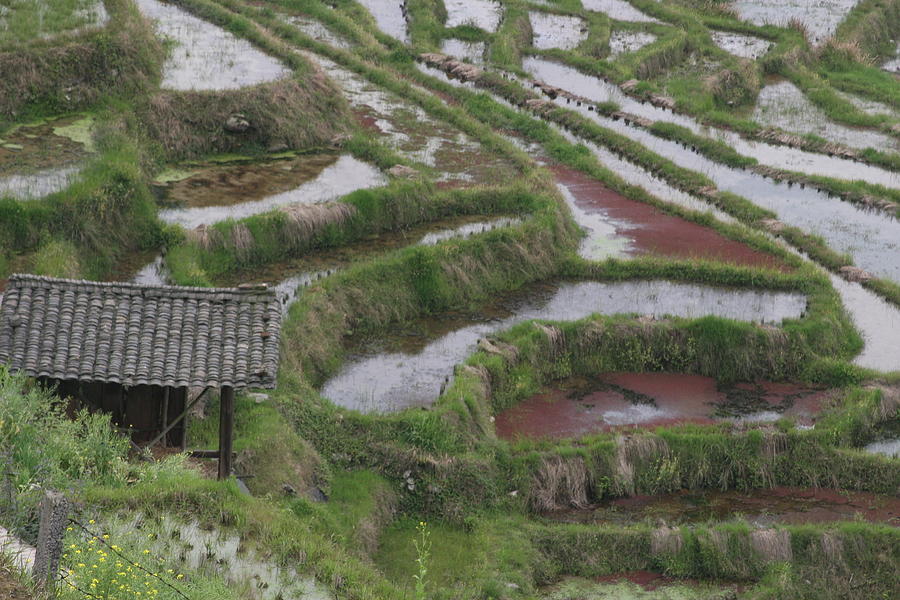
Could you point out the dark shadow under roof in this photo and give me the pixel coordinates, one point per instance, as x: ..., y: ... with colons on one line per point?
x: 134, y: 334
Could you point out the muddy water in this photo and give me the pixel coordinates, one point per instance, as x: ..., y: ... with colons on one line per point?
x: 236, y: 189
x: 620, y: 10
x: 890, y: 448
x: 40, y: 159
x: 761, y: 508
x: 205, y: 56
x: 782, y: 104
x: 288, y: 278
x: 454, y: 156
x: 622, y: 42
x: 745, y: 46
x: 821, y: 17
x: 636, y: 585
x: 608, y: 216
x: 389, y: 17
x: 768, y: 154
x: 556, y: 31
x: 472, y: 52
x: 580, y: 406
x: 872, y: 238
x: 483, y: 14
x: 409, y: 367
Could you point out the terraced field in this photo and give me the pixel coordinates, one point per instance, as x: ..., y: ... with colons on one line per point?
x: 582, y: 299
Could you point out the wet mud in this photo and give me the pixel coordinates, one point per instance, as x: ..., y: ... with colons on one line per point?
x: 579, y: 406
x: 648, y: 229
x: 761, y: 508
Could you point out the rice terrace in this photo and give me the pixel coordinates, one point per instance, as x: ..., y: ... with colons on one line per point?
x: 449, y: 299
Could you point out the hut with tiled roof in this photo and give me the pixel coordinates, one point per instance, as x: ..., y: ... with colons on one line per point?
x: 135, y: 350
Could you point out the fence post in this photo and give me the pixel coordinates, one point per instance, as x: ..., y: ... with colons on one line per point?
x: 54, y: 518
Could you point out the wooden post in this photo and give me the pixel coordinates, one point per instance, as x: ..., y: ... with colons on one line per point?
x: 54, y: 518
x: 226, y: 430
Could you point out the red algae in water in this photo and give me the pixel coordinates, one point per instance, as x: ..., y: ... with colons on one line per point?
x: 577, y: 407
x: 655, y: 232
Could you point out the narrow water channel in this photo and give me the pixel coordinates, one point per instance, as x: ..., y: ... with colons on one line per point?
x: 409, y: 366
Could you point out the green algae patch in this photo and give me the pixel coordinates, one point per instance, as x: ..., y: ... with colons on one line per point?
x: 80, y: 131
x: 173, y: 175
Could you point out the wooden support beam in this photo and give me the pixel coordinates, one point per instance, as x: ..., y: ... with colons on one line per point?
x: 226, y: 431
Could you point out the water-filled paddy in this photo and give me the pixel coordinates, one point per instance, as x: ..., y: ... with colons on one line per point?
x: 622, y: 42
x: 389, y: 17
x: 760, y: 508
x: 616, y: 225
x: 556, y: 31
x: 638, y: 585
x: 773, y: 155
x: 620, y: 10
x: 289, y: 277
x: 782, y: 104
x: 484, y: 14
x: 236, y: 191
x: 745, y: 46
x: 453, y: 156
x: 472, y: 52
x: 206, y: 57
x: 819, y: 17
x: 582, y: 405
x: 409, y: 366
x: 872, y: 238
x: 43, y: 158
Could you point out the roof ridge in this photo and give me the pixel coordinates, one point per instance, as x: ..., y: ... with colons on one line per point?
x: 261, y: 289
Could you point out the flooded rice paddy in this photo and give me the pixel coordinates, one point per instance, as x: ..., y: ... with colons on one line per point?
x: 409, y: 367
x: 782, y: 104
x: 317, y: 31
x: 785, y: 157
x: 872, y: 238
x: 472, y: 52
x: 247, y: 569
x: 889, y: 448
x: 760, y: 508
x: 206, y: 57
x: 289, y: 277
x: 453, y: 156
x: 745, y: 46
x: 580, y: 405
x: 220, y: 192
x: 623, y: 42
x: 556, y: 31
x: 484, y: 14
x: 43, y: 158
x: 620, y: 10
x: 616, y: 226
x: 878, y: 322
x: 390, y: 17
x: 819, y: 17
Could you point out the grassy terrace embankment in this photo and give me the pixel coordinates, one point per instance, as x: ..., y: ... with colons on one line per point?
x: 380, y: 474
